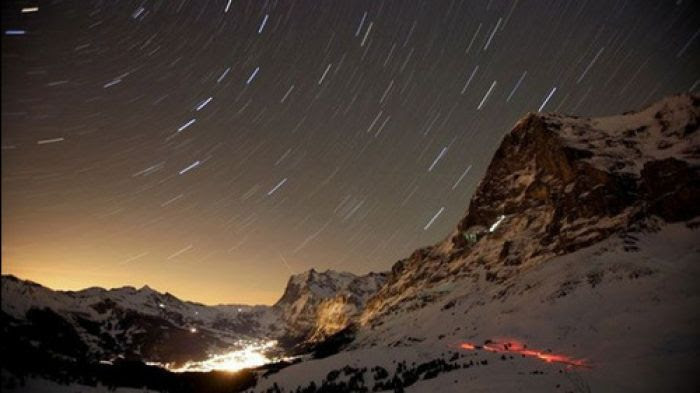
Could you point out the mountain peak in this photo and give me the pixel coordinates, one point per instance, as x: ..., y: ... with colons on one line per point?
x: 318, y: 284
x: 587, y: 167
x: 302, y: 303
x: 557, y: 184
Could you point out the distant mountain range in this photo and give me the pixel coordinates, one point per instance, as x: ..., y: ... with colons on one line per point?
x: 148, y: 325
x: 575, y: 268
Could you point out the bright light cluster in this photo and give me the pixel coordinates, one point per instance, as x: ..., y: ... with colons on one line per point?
x: 248, y: 354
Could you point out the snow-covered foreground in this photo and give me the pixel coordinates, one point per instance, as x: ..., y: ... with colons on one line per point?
x: 39, y: 385
x: 634, y: 316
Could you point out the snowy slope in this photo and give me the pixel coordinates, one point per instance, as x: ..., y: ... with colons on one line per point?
x: 632, y: 316
x: 624, y: 144
x: 40, y: 385
x: 581, y: 241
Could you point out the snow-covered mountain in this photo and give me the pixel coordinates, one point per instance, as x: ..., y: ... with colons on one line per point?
x: 575, y: 268
x: 555, y: 185
x: 134, y: 323
x: 158, y: 327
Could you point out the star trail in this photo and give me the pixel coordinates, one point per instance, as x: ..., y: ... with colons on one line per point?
x: 178, y: 143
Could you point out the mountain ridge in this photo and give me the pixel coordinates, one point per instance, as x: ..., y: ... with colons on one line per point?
x: 571, y: 210
x: 581, y: 238
x: 147, y: 321
x: 540, y: 197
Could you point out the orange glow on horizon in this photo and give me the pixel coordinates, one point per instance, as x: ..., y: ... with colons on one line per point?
x: 192, y: 287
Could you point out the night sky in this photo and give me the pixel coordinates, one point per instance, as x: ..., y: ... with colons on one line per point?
x: 211, y: 148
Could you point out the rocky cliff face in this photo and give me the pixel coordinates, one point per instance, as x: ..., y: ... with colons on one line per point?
x: 318, y: 304
x: 582, y: 238
x: 555, y: 185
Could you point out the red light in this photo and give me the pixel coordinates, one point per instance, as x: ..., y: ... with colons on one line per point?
x: 516, y: 347
x: 467, y: 346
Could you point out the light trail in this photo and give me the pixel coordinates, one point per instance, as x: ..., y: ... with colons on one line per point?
x: 518, y: 348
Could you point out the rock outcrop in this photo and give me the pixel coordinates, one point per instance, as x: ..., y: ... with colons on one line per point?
x: 318, y: 304
x: 555, y: 185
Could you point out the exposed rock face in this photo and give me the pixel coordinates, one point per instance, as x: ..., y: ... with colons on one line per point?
x: 671, y: 189
x: 318, y: 304
x: 340, y: 311
x: 555, y: 185
x: 555, y: 197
